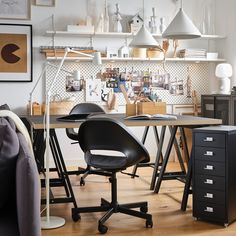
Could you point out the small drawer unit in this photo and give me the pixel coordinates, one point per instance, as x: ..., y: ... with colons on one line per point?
x: 214, y: 174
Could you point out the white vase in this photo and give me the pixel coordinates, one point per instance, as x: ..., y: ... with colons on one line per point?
x: 208, y: 19
x: 106, y: 18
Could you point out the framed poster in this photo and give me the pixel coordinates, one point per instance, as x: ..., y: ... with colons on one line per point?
x: 46, y: 3
x: 15, y: 53
x: 15, y: 9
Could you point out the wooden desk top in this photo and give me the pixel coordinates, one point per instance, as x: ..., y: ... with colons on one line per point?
x: 182, y: 120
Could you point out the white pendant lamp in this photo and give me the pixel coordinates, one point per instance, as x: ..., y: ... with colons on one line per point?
x: 181, y: 27
x: 144, y: 39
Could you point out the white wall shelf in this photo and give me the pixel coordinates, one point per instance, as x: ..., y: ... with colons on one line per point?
x: 132, y: 59
x: 114, y: 35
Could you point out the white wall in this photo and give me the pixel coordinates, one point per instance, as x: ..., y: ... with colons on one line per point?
x: 225, y: 22
x: 70, y: 12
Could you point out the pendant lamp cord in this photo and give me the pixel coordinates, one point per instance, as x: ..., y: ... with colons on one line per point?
x: 181, y: 6
x: 143, y: 11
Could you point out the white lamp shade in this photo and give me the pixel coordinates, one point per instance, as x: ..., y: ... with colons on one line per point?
x: 181, y: 27
x: 76, y: 75
x: 97, y: 60
x: 144, y: 39
x: 223, y: 70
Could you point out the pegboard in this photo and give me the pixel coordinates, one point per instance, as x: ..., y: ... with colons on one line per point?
x: 199, y: 74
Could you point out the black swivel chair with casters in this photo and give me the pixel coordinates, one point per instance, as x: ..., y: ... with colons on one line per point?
x: 104, y: 134
x: 83, y: 108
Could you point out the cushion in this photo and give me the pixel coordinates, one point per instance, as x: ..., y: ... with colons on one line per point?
x: 4, y: 107
x: 9, y: 148
x: 27, y: 191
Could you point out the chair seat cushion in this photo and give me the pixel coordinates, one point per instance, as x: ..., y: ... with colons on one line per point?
x: 106, y: 162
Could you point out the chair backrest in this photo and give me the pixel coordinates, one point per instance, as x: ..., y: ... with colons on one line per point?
x: 86, y: 108
x: 111, y: 135
x: 81, y: 108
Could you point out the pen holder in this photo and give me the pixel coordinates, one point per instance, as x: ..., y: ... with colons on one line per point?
x: 131, y: 109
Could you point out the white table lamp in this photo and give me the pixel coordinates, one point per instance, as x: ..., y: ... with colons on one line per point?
x: 223, y: 72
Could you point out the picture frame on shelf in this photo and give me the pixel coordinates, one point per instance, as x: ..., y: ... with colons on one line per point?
x: 45, y: 3
x: 15, y: 10
x: 16, y: 53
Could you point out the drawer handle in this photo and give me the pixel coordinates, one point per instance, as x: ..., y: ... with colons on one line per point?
x: 209, y: 181
x: 208, y: 167
x: 209, y: 195
x: 209, y: 209
x: 208, y: 139
x: 208, y: 153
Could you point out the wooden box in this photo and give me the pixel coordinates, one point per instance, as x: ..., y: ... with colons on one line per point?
x: 151, y: 108
x: 60, y: 107
x: 131, y: 109
x: 36, y: 109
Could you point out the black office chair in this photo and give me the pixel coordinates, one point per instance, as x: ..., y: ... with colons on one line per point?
x: 104, y: 134
x: 83, y: 108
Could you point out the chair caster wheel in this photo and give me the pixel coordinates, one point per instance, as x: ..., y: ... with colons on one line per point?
x: 76, y: 217
x: 144, y: 209
x: 82, y: 182
x: 149, y: 224
x: 102, y: 229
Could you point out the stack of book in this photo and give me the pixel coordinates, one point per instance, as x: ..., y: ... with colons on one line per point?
x: 192, y: 53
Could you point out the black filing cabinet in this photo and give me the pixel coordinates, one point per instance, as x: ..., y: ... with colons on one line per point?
x: 214, y: 174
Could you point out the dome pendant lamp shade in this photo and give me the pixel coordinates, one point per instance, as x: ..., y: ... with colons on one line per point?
x: 144, y: 39
x: 181, y: 27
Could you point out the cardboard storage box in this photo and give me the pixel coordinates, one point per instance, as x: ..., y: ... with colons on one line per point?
x: 151, y: 108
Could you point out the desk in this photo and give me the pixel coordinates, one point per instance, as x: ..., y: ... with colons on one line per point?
x: 181, y: 122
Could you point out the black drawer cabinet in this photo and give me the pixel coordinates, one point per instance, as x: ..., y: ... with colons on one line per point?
x: 214, y: 174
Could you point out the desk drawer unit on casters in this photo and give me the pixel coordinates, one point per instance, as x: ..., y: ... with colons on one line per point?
x: 214, y: 174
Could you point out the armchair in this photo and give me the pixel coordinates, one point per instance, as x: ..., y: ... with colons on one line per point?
x: 19, y: 179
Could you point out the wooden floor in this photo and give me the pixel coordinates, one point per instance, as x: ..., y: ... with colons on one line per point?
x: 168, y: 219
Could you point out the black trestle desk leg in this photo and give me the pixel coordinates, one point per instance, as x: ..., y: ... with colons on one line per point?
x: 184, y: 141
x: 180, y: 159
x: 143, y: 142
x: 158, y: 157
x: 62, y: 165
x: 157, y: 140
x: 55, y: 149
x: 187, y: 186
x: 165, y: 159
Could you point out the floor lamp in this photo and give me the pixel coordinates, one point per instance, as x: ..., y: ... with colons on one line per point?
x: 50, y: 222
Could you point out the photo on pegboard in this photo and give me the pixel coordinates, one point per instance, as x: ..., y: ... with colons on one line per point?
x: 93, y: 90
x: 73, y: 85
x: 176, y: 87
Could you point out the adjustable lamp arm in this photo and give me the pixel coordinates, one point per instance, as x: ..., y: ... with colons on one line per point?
x: 36, y: 84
